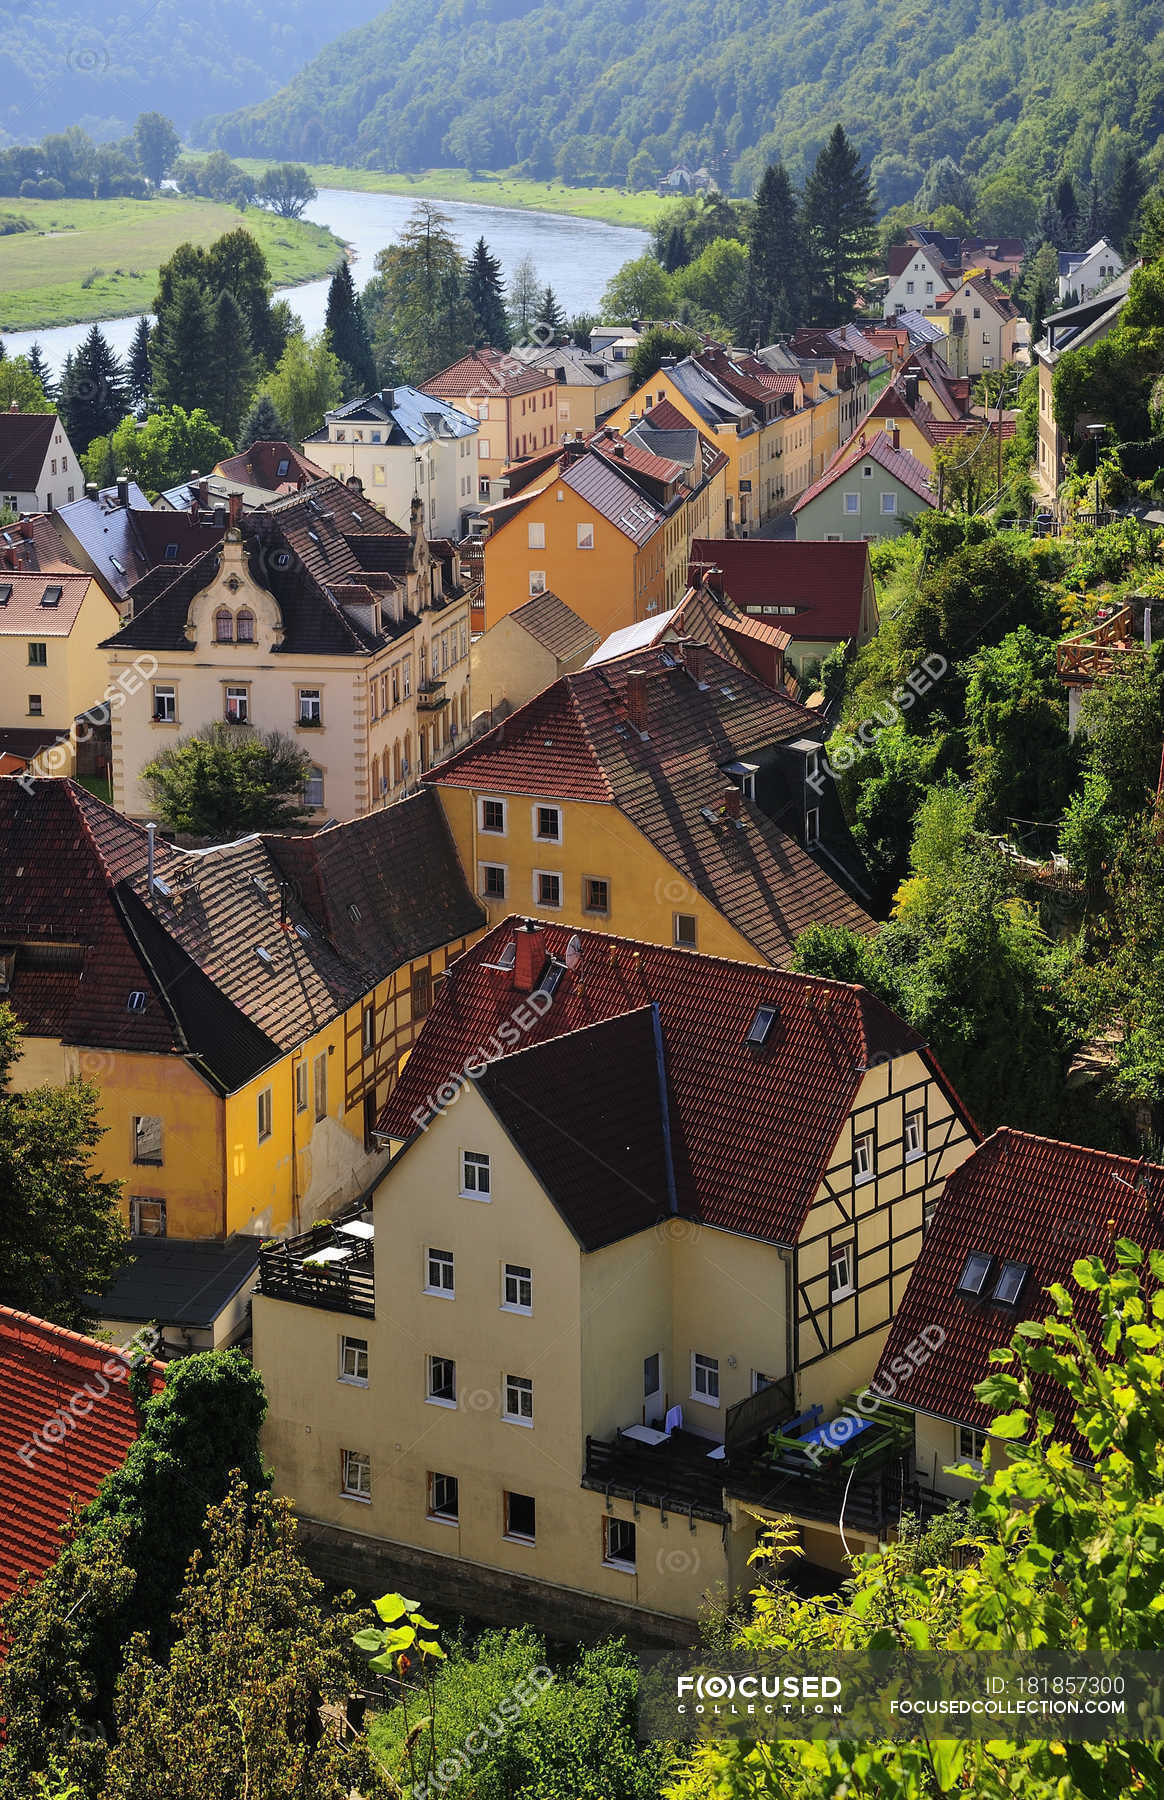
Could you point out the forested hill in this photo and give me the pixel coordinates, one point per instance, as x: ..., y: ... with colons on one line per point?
x: 66, y: 62
x: 579, y: 90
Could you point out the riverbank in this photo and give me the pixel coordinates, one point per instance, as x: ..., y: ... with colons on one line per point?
x: 88, y: 260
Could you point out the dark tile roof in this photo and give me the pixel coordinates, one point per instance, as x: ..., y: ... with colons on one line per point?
x: 608, y: 488
x: 41, y: 1367
x: 180, y: 1281
x: 556, y: 627
x: 1033, y: 1201
x: 824, y: 582
x: 751, y: 1131
x: 24, y: 444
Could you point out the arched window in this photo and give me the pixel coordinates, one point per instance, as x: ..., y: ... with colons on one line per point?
x: 224, y: 626
x: 375, y: 779
x: 396, y: 763
x: 407, y: 765
x: 245, y: 625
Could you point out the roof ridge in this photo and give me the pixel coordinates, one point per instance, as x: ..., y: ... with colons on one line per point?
x: 15, y: 1323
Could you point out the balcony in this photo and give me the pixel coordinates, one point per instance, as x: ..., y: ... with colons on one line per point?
x: 430, y: 694
x: 332, y: 1266
x: 1104, y: 649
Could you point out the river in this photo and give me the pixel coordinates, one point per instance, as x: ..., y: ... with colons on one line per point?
x: 576, y: 257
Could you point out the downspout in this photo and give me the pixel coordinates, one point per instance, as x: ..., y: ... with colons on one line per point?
x: 788, y: 1258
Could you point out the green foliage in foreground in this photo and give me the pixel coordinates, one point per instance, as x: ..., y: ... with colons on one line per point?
x: 228, y: 780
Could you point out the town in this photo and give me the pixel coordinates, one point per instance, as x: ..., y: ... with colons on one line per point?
x: 415, y: 733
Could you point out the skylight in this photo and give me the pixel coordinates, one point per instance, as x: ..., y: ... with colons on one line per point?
x: 1009, y: 1285
x: 52, y: 596
x: 354, y: 913
x: 5, y: 593
x: 119, y: 566
x: 136, y: 1001
x: 762, y: 1024
x: 264, y: 956
x: 975, y: 1270
x: 553, y: 975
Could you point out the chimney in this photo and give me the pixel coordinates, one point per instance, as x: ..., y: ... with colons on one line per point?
x: 636, y: 699
x: 203, y: 492
x: 151, y: 831
x: 235, y: 506
x: 15, y: 407
x: 731, y: 802
x: 27, y: 528
x: 693, y: 658
x: 123, y: 492
x: 895, y: 437
x: 620, y: 452
x: 529, y: 955
x: 416, y: 517
x: 91, y: 490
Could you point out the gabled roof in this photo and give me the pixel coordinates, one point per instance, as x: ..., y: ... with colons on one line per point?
x: 715, y: 403
x: 486, y: 372
x: 824, y: 582
x: 1027, y: 1200
x: 269, y: 465
x: 631, y: 638
x: 875, y: 448
x: 750, y: 1131
x: 609, y: 489
x: 555, y: 626
x: 41, y: 1367
x: 411, y: 415
x: 44, y: 606
x: 104, y: 530
x: 24, y: 443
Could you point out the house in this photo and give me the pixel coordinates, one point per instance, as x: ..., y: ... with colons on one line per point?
x: 991, y: 319
x: 314, y: 616
x: 1073, y: 328
x: 39, y: 470
x: 526, y: 651
x: 820, y: 595
x: 608, y: 1288
x: 42, y: 1367
x: 1014, y: 1218
x: 242, y: 1010
x: 120, y: 538
x: 195, y: 1291
x: 265, y: 471
x: 515, y: 406
x: 668, y: 795
x: 590, y: 385
x: 729, y: 422
x: 858, y: 368
x: 707, y: 617
x: 51, y: 666
x: 405, y: 445
x: 868, y: 492
x: 916, y: 278
x: 1083, y: 273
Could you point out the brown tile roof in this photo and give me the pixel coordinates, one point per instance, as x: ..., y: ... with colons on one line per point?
x: 876, y: 448
x: 825, y: 583
x: 1028, y: 1200
x: 44, y: 606
x: 270, y: 464
x: 629, y: 456
x: 556, y: 627
x: 711, y: 619
x: 485, y: 373
x: 751, y: 1131
x: 24, y: 444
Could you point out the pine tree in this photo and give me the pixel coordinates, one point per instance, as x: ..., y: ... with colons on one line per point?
x: 485, y: 295
x: 775, y: 259
x: 551, y: 313
x: 182, y: 348
x: 262, y: 425
x: 1040, y: 303
x: 524, y: 294
x: 139, y: 375
x: 230, y: 375
x: 838, y: 220
x: 40, y: 369
x: 93, y: 400
x: 1051, y: 227
x: 347, y: 334
x: 1067, y: 207
x: 1128, y: 190
x: 1092, y: 217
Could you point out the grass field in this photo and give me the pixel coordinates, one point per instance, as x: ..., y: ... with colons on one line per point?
x: 99, y: 259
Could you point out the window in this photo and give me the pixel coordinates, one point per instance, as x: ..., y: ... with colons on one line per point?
x: 585, y: 537
x: 147, y: 1217
x: 852, y: 503
x: 407, y: 677
x: 652, y: 1375
x: 444, y: 1498
x: 536, y: 535
x: 929, y: 1214
x: 421, y: 993
x: 520, y: 1517
x: 975, y: 1270
x: 320, y: 1069
x: 547, y: 888
x: 518, y: 1407
x: 971, y: 1445
x: 224, y: 626
x: 595, y: 894
x: 165, y: 705
x: 762, y: 1024
x: 760, y: 1381
x: 705, y: 1378
x: 439, y: 1274
x: 889, y: 503
x: 915, y: 1128
x: 37, y: 656
x: 313, y: 788
x: 442, y: 1381
x: 492, y: 881
x: 147, y: 1139
x: 476, y: 1179
x: 1009, y: 1285
x: 517, y: 1288
x: 368, y: 1029
x: 483, y: 448
x: 237, y: 707
x: 812, y: 826
x: 537, y: 582
x: 492, y: 816
x: 264, y: 1114
x: 301, y: 1087
x: 909, y: 287
x: 618, y: 1543
x: 310, y: 706
x: 683, y: 930
x: 354, y: 1361
x: 978, y: 315
x: 356, y: 1475
x: 841, y: 1272
x: 548, y: 823
x: 244, y: 626
x: 35, y: 709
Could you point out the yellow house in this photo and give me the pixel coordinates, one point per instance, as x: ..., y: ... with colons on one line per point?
x: 526, y: 651
x: 667, y: 795
x: 51, y: 666
x: 515, y: 404
x: 693, y: 395
x: 590, y: 385
x: 592, y: 1290
x: 243, y: 1014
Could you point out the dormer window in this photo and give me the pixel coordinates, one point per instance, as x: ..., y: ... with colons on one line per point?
x: 224, y: 626
x: 245, y: 626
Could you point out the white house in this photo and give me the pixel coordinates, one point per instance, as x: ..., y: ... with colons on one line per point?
x: 1084, y: 272
x: 38, y: 465
x: 404, y: 445
x: 918, y: 283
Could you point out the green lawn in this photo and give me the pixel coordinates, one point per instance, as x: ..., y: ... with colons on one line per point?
x: 99, y: 259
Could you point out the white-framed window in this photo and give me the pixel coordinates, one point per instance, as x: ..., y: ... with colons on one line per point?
x: 521, y: 1518
x: 585, y: 537
x: 491, y: 815
x: 841, y: 1272
x: 313, y: 788
x: 517, y: 1408
x: 915, y: 1135
x: 442, y: 1381
x: 889, y: 503
x: 683, y: 929
x: 147, y: 1139
x: 476, y: 1175
x: 300, y: 1087
x: 483, y: 449
x: 353, y: 1361
x: 760, y: 1381
x: 516, y: 1288
x: 147, y: 1216
x: 537, y: 582
x: 812, y: 825
x: 863, y: 1157
x: 165, y: 704
x: 237, y: 705
x: 852, y: 503
x: 547, y: 888
x: 618, y: 1543
x: 929, y: 1214
x: 705, y: 1378
x: 492, y: 885
x: 536, y: 537
x: 264, y: 1114
x: 971, y: 1445
x: 355, y: 1475
x: 439, y: 1273
x: 310, y: 706
x: 444, y: 1498
x: 547, y: 824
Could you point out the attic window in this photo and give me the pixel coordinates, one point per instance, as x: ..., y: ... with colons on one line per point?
x: 303, y: 933
x: 358, y: 517
x: 136, y: 1001
x: 264, y: 956
x: 281, y: 468
x: 507, y: 958
x: 282, y: 559
x: 975, y: 1270
x: 119, y: 566
x: 315, y: 538
x: 762, y: 1024
x: 258, y: 882
x: 550, y: 980
x: 354, y: 913
x: 5, y: 593
x: 171, y: 553
x: 52, y: 596
x: 1009, y: 1285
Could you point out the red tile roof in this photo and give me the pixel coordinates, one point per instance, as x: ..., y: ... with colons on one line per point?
x: 824, y: 582
x: 42, y: 1367
x: 23, y: 612
x: 260, y: 465
x: 1024, y: 1199
x: 486, y: 372
x: 629, y: 457
x: 750, y: 1130
x: 875, y: 448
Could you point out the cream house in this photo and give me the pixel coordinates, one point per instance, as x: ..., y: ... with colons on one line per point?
x: 51, y: 666
x: 544, y: 1368
x: 315, y: 618
x: 404, y: 446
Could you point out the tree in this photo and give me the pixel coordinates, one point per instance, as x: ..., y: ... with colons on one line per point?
x: 230, y: 374
x: 524, y: 293
x: 235, y: 261
x: 228, y: 780
x: 306, y: 383
x: 1005, y: 206
x: 551, y: 315
x: 415, y: 304
x: 37, y: 363
x: 156, y: 144
x: 1022, y: 762
x: 261, y: 425
x: 20, y: 383
x: 158, y: 452
x: 347, y: 334
x: 287, y: 189
x: 1067, y: 206
x: 182, y: 346
x: 641, y: 289
x: 716, y: 282
x: 945, y: 185
x: 1127, y: 192
x: 775, y: 260
x: 1150, y: 225
x: 642, y: 171
x: 486, y: 296
x: 61, y: 1235
x: 139, y: 380
x: 966, y: 470
x: 839, y: 229
x: 659, y: 342
x: 91, y: 399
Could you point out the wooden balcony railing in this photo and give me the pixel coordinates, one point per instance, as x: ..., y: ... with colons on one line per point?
x: 1104, y: 649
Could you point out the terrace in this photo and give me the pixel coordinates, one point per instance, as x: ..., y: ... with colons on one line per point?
x: 1106, y: 648
x: 331, y: 1266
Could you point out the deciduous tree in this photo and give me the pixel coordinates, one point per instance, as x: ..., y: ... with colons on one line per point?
x: 286, y: 188
x: 228, y: 780
x: 157, y: 145
x: 305, y: 383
